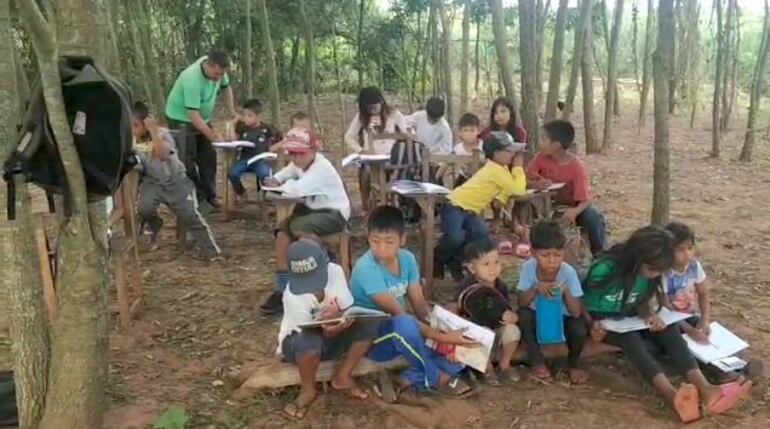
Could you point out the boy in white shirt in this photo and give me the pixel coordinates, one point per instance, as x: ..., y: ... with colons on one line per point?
x: 325, y: 209
x: 431, y: 128
x: 469, y: 144
x: 317, y: 290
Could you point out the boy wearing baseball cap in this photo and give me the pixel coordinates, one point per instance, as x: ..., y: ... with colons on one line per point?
x: 325, y: 209
x: 316, y: 291
x: 501, y: 178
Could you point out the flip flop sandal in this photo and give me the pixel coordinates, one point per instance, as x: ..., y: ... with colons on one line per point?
x: 730, y: 395
x: 541, y: 373
x: 300, y: 411
x: 508, y: 376
x: 491, y: 378
x: 687, y: 403
x: 353, y: 392
x: 456, y: 388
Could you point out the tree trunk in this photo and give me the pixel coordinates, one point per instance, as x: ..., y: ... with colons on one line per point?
x: 248, y: 58
x: 21, y: 290
x: 425, y: 53
x: 340, y: 100
x: 446, y: 37
x: 554, y: 80
x: 140, y: 68
x: 111, y: 11
x: 635, y: 44
x: 359, y: 41
x: 592, y: 145
x: 466, y: 56
x: 75, y: 396
x: 309, y: 65
x: 435, y: 54
x: 733, y: 84
x: 730, y: 63
x: 22, y: 84
x: 607, y: 44
x: 612, y: 59
x: 663, y: 61
x: 477, y: 61
x: 719, y: 67
x: 756, y: 88
x: 574, y: 74
x: 501, y: 45
x: 528, y: 54
x: 541, y: 14
x: 151, y: 61
x: 272, y: 73
x: 416, y: 63
x: 646, y: 65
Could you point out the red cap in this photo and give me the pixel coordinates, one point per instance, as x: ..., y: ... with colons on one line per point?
x: 300, y: 140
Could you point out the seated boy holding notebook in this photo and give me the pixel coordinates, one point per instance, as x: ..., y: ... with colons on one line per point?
x: 317, y: 290
x: 385, y: 278
x: 556, y: 164
x: 325, y: 208
x: 545, y: 282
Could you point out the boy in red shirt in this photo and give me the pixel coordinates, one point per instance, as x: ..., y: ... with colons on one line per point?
x: 555, y: 164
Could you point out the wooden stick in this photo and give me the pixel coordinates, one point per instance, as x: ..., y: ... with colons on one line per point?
x: 49, y: 291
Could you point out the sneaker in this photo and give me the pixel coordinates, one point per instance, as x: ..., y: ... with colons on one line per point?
x: 273, y: 304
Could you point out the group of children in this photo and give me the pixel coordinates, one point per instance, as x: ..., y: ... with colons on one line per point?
x: 654, y: 267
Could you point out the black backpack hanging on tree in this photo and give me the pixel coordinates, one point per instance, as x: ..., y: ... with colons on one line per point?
x: 98, y: 109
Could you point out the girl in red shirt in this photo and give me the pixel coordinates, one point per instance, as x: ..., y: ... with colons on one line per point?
x: 502, y: 117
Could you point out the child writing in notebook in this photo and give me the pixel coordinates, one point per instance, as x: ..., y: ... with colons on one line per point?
x: 484, y: 300
x: 250, y: 128
x: 622, y: 283
x: 547, y: 274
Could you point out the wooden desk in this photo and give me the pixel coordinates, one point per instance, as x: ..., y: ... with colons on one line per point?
x: 283, y: 205
x: 228, y: 159
x: 542, y: 201
x: 427, y: 203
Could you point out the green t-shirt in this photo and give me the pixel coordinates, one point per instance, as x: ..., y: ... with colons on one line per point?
x: 608, y: 300
x: 194, y: 91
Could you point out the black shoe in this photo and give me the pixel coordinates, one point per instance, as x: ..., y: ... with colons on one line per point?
x: 273, y: 304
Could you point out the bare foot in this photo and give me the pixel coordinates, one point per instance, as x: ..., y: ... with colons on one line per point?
x: 578, y: 376
x: 298, y: 409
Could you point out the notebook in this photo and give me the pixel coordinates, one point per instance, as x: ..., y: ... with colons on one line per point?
x: 549, y: 318
x: 722, y: 344
x: 350, y: 313
x: 635, y: 323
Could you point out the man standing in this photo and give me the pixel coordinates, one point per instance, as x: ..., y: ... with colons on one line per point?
x: 190, y: 108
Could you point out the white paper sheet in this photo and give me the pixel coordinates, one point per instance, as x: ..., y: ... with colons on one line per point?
x: 261, y: 156
x: 409, y: 187
x: 730, y: 364
x: 357, y: 158
x: 475, y: 357
x: 722, y: 344
x: 233, y: 145
x: 629, y: 324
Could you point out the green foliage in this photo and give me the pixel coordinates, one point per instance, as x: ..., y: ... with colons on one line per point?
x: 173, y: 418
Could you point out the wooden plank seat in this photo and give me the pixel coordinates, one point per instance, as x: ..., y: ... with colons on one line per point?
x: 277, y: 375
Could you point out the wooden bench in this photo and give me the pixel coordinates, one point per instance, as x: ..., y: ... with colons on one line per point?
x: 277, y: 375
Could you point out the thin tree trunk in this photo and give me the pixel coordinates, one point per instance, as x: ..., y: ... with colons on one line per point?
x: 501, y: 45
x: 111, y: 10
x: 574, y: 74
x: 309, y: 65
x: 416, y: 63
x: 272, y: 72
x: 465, y: 61
x: 248, y: 60
x: 359, y: 41
x: 21, y: 297
x: 528, y: 54
x: 646, y: 65
x: 592, y: 145
x: 607, y: 43
x: 756, y: 88
x: 635, y: 44
x: 75, y: 396
x: 435, y: 50
x: 663, y: 61
x: 731, y: 59
x: 541, y: 12
x: 425, y: 52
x: 340, y: 101
x: 139, y: 60
x: 554, y: 80
x: 151, y: 61
x: 446, y: 37
x: 719, y: 67
x: 477, y: 61
x: 612, y: 59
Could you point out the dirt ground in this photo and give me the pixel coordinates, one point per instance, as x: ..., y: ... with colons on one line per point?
x: 201, y: 321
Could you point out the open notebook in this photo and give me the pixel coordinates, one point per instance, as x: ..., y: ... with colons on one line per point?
x: 351, y: 313
x: 474, y: 357
x: 413, y: 187
x: 722, y: 344
x: 629, y: 324
x: 233, y: 145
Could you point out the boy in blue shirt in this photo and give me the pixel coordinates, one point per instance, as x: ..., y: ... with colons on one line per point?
x: 547, y: 274
x: 385, y: 278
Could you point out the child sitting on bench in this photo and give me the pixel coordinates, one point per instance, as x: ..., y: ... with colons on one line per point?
x: 384, y: 279
x: 547, y: 275
x: 164, y: 181
x: 317, y: 290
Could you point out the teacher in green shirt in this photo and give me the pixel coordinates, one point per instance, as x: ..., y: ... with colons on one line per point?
x: 190, y: 109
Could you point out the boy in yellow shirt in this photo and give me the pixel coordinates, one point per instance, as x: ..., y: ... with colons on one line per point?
x: 501, y: 178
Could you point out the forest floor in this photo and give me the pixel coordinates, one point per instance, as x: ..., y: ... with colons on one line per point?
x: 201, y: 321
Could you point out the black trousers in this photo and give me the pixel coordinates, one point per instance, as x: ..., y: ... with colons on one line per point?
x: 636, y: 347
x: 199, y: 158
x: 575, y: 331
